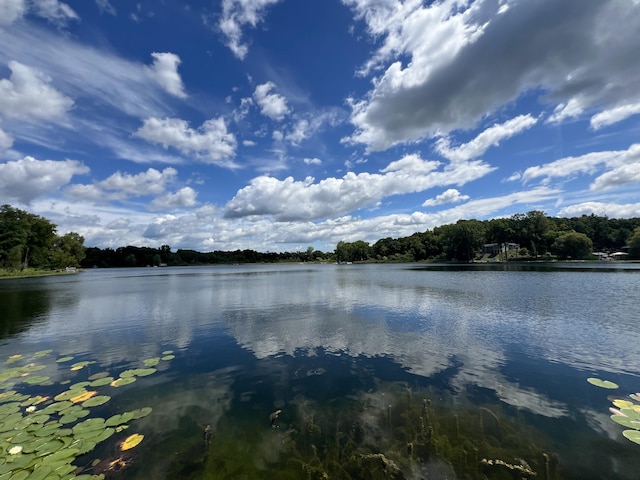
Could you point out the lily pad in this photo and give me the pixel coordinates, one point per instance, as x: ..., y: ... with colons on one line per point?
x: 167, y: 352
x: 131, y: 441
x: 100, y: 382
x: 36, y: 380
x: 120, y: 382
x: 64, y: 359
x: 141, y: 412
x: 633, y: 435
x: 97, y: 376
x: 79, y: 385
x: 598, y: 382
x: 626, y: 421
x: 96, y: 401
x: 166, y: 358
x: 151, y: 362
x: 119, y: 419
x: 144, y: 372
x: 635, y: 396
x: 83, y: 396
x: 88, y: 425
x: 42, y: 353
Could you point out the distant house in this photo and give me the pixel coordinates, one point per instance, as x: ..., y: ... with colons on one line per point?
x: 604, y: 256
x: 496, y: 248
x: 620, y: 255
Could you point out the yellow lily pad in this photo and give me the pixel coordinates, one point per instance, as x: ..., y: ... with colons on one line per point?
x: 131, y: 441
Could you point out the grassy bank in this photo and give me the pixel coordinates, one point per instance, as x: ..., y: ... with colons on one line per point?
x: 31, y: 272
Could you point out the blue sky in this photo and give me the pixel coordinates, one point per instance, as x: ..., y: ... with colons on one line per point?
x: 277, y: 125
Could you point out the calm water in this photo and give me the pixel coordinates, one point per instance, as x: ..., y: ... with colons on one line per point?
x: 408, y: 370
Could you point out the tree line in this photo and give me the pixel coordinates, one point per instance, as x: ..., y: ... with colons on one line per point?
x: 31, y: 241
x: 28, y: 240
x: 536, y: 234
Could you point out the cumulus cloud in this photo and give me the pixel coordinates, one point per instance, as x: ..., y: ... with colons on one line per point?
x: 211, y: 142
x: 448, y: 196
x: 119, y: 186
x: 468, y: 59
x: 288, y: 199
x: 28, y: 95
x: 26, y: 179
x: 572, y: 109
x: 312, y: 161
x: 11, y: 10
x: 185, y: 197
x: 236, y: 14
x: 165, y: 71
x: 589, y: 163
x: 272, y: 105
x: 491, y: 137
x: 614, y: 115
x: 6, y: 141
x: 601, y: 209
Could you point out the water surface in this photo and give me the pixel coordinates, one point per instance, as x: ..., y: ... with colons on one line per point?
x: 433, y: 368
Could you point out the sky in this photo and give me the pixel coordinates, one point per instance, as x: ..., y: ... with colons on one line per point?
x: 276, y: 125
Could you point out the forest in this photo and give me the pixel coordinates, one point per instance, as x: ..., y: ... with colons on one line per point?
x: 31, y: 241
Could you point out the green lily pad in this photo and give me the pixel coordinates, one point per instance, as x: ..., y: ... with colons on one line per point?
x: 602, y: 383
x: 100, y: 382
x: 166, y: 358
x: 97, y: 376
x: 626, y: 421
x: 36, y: 380
x: 96, y: 401
x: 635, y: 396
x: 57, y: 407
x: 167, y: 352
x: 151, y: 362
x: 119, y: 419
x: 141, y: 412
x: 79, y: 386
x: 64, y: 359
x: 49, y: 447
x: 88, y: 425
x: 84, y: 445
x: 144, y: 372
x: 120, y: 382
x: 633, y: 435
x: 42, y: 353
x: 47, y: 430
x: 41, y: 473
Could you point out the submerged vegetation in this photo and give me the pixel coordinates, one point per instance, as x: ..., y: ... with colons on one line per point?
x: 49, y: 433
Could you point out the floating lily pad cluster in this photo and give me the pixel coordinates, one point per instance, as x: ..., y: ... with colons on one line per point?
x: 624, y: 412
x: 42, y: 434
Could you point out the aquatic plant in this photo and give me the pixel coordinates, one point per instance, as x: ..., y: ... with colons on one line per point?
x: 625, y: 412
x: 43, y: 433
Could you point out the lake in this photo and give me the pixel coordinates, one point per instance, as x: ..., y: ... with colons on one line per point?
x: 322, y: 371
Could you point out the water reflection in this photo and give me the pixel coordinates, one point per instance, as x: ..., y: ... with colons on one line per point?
x: 329, y: 340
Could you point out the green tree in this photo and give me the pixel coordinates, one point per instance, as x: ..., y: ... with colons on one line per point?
x: 573, y: 245
x: 634, y: 245
x: 67, y: 251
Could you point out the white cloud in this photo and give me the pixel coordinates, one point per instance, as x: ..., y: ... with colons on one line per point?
x: 446, y: 65
x: 211, y: 142
x: 6, y: 141
x: 312, y: 161
x: 448, y: 196
x: 28, y: 95
x: 626, y: 173
x: 106, y: 7
x: 185, y: 197
x: 611, y: 210
x: 236, y: 14
x: 249, y: 143
x: 28, y: 178
x: 288, y: 200
x: 54, y: 11
x: 272, y: 105
x: 165, y: 71
x: 572, y: 109
x: 491, y: 137
x: 614, y: 115
x: 11, y: 10
x: 123, y: 186
x: 584, y: 164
